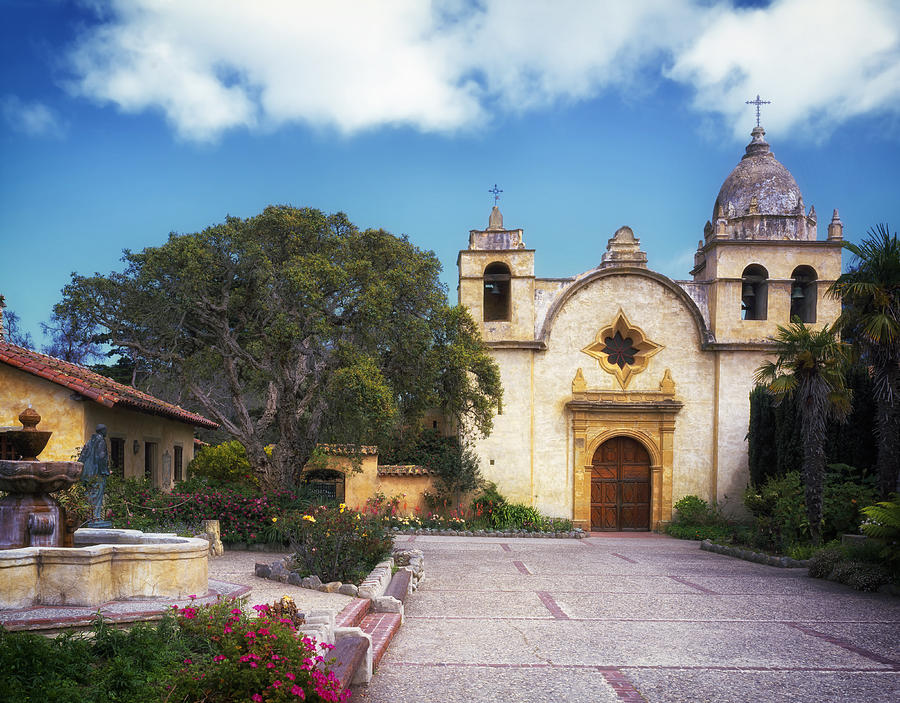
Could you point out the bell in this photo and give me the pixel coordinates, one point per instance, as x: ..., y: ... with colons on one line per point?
x: 797, y: 293
x: 748, y: 291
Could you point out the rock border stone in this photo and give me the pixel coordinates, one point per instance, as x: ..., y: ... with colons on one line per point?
x: 372, y: 586
x: 756, y: 557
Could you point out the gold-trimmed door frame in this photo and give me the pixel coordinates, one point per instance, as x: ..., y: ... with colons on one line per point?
x: 649, y: 418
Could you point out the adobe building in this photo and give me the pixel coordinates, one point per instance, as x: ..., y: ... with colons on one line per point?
x: 148, y: 437
x: 625, y: 390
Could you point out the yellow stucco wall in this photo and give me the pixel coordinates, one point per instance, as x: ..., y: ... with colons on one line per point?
x: 130, y: 426
x: 60, y: 413
x: 665, y: 320
x: 361, y: 485
x: 73, y: 421
x: 735, y: 381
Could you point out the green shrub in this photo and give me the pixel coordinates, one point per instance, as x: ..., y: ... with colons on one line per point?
x: 244, y: 514
x: 699, y: 532
x: 778, y: 509
x: 693, y: 510
x: 883, y: 525
x: 214, y: 653
x: 223, y: 464
x: 823, y: 561
x: 861, y: 575
x: 108, y: 664
x: 338, y: 544
x: 799, y: 551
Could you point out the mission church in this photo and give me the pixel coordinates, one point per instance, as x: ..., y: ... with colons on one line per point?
x: 625, y: 390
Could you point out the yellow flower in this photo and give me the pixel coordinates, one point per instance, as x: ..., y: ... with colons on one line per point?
x: 274, y: 519
x: 342, y: 507
x: 309, y: 517
x: 357, y: 516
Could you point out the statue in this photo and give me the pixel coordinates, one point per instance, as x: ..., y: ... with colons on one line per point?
x: 95, y: 457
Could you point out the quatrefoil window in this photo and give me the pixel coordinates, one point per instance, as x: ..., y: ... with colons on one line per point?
x: 622, y: 349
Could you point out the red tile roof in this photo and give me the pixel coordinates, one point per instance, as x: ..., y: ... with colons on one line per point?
x: 92, y: 385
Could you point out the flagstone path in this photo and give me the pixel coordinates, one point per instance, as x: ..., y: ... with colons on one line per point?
x: 631, y: 617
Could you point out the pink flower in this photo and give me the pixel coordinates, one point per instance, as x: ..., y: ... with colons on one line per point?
x: 253, y: 665
x: 188, y: 661
x: 290, y: 676
x: 276, y: 683
x: 219, y: 658
x: 237, y: 611
x: 297, y: 691
x: 256, y: 698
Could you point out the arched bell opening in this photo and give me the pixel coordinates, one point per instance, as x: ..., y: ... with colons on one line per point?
x: 803, y: 294
x: 496, y: 292
x: 754, y: 293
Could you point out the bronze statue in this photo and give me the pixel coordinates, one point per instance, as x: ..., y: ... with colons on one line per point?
x: 95, y: 457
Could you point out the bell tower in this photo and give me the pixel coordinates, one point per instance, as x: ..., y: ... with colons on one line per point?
x: 760, y: 256
x: 496, y: 282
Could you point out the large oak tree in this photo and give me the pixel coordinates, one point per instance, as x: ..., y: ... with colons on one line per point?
x: 295, y: 327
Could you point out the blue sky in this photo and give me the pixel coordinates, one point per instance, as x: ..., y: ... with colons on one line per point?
x: 124, y: 120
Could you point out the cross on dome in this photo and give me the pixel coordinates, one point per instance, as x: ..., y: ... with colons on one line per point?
x: 756, y: 102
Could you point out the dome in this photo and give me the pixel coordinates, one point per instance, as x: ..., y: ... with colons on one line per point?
x: 759, y: 174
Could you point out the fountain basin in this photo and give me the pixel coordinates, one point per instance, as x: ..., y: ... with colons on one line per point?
x: 38, y: 476
x: 104, y: 565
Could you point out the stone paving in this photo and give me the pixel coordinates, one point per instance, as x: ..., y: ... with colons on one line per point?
x: 636, y: 617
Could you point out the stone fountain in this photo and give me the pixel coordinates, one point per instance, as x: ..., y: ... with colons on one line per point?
x: 29, y: 516
x: 44, y: 560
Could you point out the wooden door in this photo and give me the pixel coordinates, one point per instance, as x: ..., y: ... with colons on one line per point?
x: 620, y: 486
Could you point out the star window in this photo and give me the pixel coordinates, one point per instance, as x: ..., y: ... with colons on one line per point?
x: 622, y: 349
x: 619, y: 350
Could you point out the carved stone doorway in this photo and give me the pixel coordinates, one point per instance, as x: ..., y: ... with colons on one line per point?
x: 620, y: 486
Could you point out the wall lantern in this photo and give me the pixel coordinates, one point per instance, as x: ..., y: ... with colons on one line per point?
x: 136, y: 447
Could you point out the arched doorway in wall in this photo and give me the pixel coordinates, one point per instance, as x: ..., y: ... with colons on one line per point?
x: 620, y: 486
x: 326, y: 485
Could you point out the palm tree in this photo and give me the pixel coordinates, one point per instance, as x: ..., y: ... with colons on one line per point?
x: 870, y: 319
x: 809, y: 366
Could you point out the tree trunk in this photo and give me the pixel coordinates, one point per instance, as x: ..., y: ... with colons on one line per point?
x: 813, y: 437
x: 888, y: 447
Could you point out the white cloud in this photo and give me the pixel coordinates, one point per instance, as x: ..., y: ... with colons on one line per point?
x: 820, y: 62
x: 32, y: 118
x: 351, y: 65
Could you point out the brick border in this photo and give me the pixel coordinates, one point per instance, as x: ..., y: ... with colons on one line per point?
x: 625, y: 690
x: 844, y: 644
x: 551, y: 605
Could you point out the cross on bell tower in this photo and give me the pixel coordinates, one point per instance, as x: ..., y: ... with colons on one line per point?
x: 756, y: 102
x: 496, y: 192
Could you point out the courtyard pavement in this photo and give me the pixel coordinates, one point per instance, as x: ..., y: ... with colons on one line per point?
x: 631, y: 617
